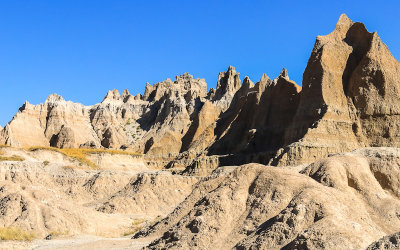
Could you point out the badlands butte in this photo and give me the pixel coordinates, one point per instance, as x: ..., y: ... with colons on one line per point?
x: 265, y: 165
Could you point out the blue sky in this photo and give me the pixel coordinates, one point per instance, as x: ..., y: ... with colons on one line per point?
x: 81, y: 49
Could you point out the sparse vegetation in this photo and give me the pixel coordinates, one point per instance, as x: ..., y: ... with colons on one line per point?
x: 55, y: 234
x: 80, y: 154
x: 12, y: 233
x: 46, y: 163
x: 68, y: 167
x: 11, y: 158
x: 129, y: 122
x: 136, y: 225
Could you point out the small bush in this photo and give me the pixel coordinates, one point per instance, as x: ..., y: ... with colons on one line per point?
x: 46, y: 163
x: 11, y: 233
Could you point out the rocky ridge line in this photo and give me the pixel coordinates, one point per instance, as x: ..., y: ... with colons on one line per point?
x: 350, y: 99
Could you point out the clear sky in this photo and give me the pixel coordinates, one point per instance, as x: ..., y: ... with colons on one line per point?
x: 82, y: 49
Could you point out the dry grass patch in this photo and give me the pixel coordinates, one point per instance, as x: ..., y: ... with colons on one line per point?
x: 68, y: 167
x: 11, y: 158
x: 136, y: 225
x: 12, y: 233
x: 80, y: 154
x: 56, y: 234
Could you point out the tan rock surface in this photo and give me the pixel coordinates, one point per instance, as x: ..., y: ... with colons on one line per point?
x: 390, y: 242
x: 48, y: 192
x: 338, y: 202
x: 350, y: 96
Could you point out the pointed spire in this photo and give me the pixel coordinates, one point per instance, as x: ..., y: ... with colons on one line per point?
x: 284, y: 74
x: 125, y: 93
x: 247, y: 83
x: 112, y: 95
x: 54, y: 98
x: 343, y: 25
x: 264, y: 78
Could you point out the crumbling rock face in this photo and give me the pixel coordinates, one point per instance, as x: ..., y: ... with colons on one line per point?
x: 350, y: 96
x: 390, y: 242
x: 164, y: 190
x: 337, y: 202
x: 64, y: 139
x: 258, y: 116
x: 36, y: 125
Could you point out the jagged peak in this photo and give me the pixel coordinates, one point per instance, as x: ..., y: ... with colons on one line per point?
x: 344, y: 20
x: 228, y: 83
x: 54, y: 98
x: 185, y: 76
x: 125, y: 93
x: 342, y: 27
x: 247, y: 83
x: 138, y: 97
x: 265, y: 78
x: 112, y: 95
x: 264, y: 81
x: 231, y: 69
x: 284, y: 74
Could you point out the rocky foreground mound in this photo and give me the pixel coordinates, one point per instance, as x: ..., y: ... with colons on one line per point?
x: 48, y: 193
x: 350, y: 99
x: 345, y: 201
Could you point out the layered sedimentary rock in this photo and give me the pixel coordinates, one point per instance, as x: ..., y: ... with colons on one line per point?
x: 340, y: 202
x: 258, y: 116
x: 38, y: 125
x: 350, y: 98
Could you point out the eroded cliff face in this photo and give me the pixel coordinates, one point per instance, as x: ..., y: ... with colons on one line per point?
x: 258, y: 116
x: 350, y: 96
x: 350, y: 99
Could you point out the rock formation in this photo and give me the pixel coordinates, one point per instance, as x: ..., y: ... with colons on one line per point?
x: 390, y: 242
x: 350, y: 99
x: 339, y: 202
x: 258, y: 116
x: 350, y: 96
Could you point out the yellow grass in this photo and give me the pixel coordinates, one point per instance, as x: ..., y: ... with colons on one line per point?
x: 135, y: 226
x: 81, y: 153
x: 11, y: 233
x: 56, y: 234
x: 11, y: 158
